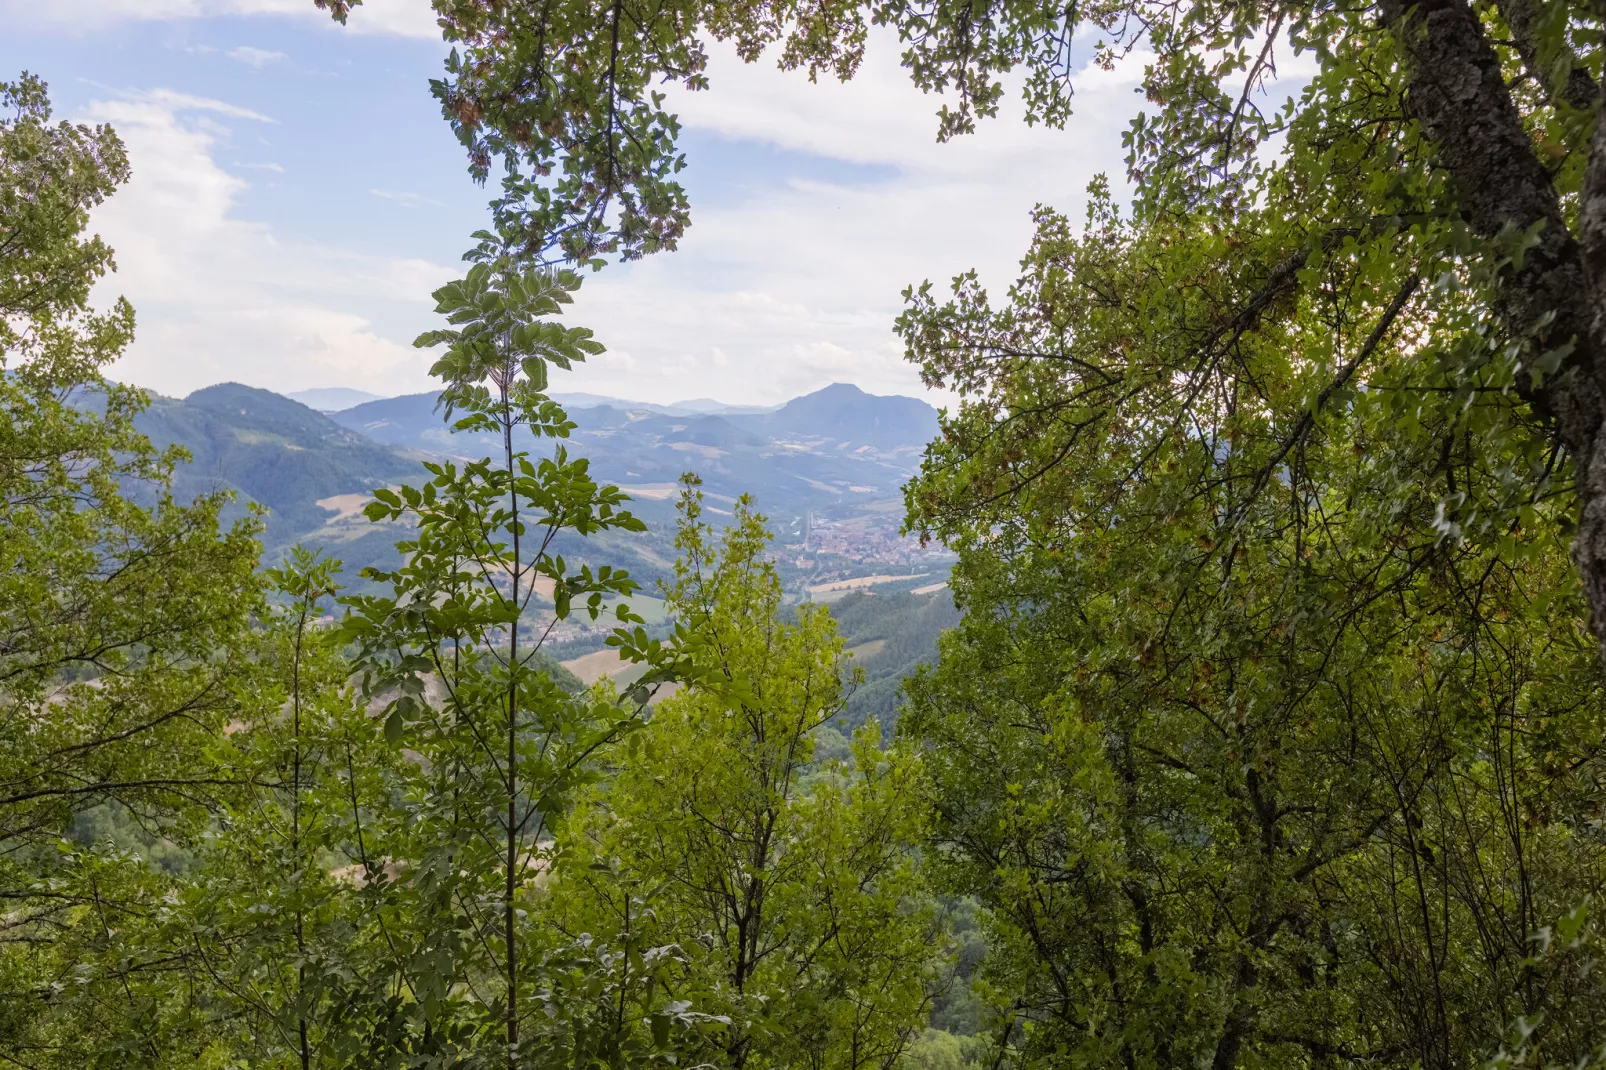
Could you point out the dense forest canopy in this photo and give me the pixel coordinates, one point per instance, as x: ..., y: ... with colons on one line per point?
x: 1270, y: 735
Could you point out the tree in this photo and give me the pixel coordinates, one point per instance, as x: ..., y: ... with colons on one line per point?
x: 111, y: 616
x: 1296, y: 830
x: 1261, y: 733
x: 1284, y: 447
x: 788, y: 884
x: 274, y: 915
x: 562, y: 97
x: 451, y: 655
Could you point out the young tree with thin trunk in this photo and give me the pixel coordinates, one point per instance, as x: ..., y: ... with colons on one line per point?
x: 452, y: 653
x: 273, y: 917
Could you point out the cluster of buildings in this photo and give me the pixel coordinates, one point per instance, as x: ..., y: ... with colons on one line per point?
x: 829, y: 548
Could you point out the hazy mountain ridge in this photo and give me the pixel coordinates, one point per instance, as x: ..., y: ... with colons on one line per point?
x: 331, y: 398
x: 846, y: 414
x: 826, y: 468
x: 837, y: 446
x: 689, y: 407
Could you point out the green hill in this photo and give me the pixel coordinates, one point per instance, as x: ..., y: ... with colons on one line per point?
x: 890, y: 634
x: 273, y: 451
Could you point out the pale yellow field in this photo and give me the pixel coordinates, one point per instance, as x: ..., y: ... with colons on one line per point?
x: 347, y: 521
x: 859, y: 581
x: 657, y: 492
x: 344, y: 506
x: 590, y: 668
x: 594, y: 666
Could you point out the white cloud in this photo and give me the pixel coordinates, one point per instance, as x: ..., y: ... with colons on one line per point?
x: 775, y: 295
x: 254, y: 57
x: 775, y: 291
x: 221, y: 297
x: 166, y: 98
x: 406, y: 18
x: 405, y: 199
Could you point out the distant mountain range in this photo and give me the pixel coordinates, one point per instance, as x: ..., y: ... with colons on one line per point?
x: 815, y: 452
x: 677, y: 408
x: 834, y: 459
x: 336, y: 398
x: 332, y: 398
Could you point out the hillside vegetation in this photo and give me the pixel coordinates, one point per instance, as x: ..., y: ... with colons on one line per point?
x: 269, y: 450
x: 891, y: 634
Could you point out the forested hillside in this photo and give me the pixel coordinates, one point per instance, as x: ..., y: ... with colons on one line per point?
x: 1218, y: 684
x: 272, y: 451
x: 890, y: 633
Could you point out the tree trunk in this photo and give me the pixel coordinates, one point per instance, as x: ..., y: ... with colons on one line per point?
x: 1554, y: 300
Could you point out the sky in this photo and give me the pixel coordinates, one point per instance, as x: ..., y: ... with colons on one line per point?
x: 296, y: 197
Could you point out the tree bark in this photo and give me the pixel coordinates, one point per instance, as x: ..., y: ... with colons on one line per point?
x: 1522, y: 19
x: 1457, y: 93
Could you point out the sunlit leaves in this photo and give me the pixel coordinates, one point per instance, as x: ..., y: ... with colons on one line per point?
x: 785, y: 885
x: 116, y: 603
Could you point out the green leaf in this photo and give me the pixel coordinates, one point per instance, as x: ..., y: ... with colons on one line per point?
x: 394, y: 726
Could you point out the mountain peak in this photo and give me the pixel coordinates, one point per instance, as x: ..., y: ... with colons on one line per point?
x: 221, y: 390
x: 224, y: 395
x: 845, y: 412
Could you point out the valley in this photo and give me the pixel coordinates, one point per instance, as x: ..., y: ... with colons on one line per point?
x: 826, y: 469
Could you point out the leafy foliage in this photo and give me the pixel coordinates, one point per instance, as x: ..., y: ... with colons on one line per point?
x: 788, y: 890
x: 111, y: 615
x: 563, y: 97
x: 891, y: 635
x: 274, y: 916
x: 497, y: 747
x: 1252, y: 739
